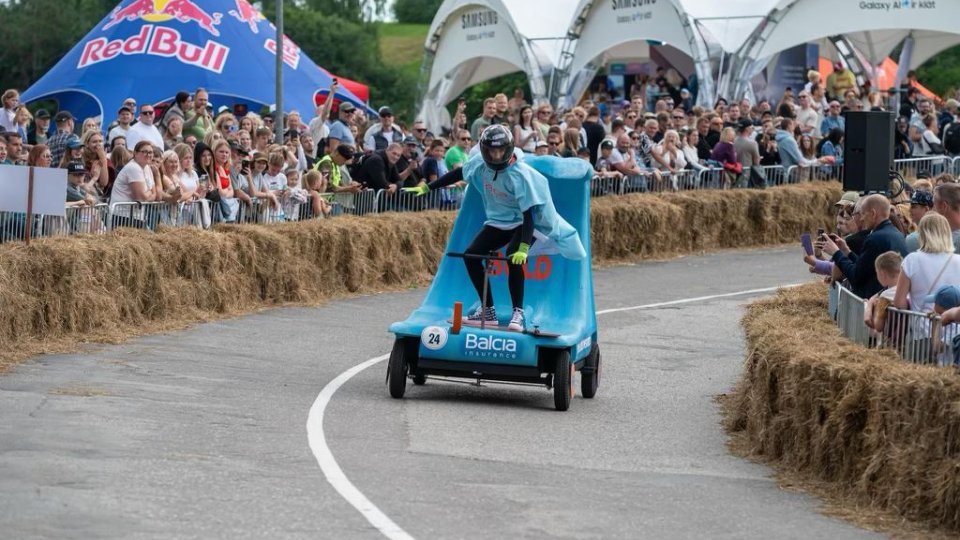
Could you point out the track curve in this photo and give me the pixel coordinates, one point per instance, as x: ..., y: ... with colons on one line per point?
x: 200, y: 433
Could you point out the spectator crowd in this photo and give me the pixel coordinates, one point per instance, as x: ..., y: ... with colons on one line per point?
x: 222, y: 163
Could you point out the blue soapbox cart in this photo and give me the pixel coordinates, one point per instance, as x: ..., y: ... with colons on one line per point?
x: 561, y: 325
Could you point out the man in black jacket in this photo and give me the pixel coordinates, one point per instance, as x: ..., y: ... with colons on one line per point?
x: 379, y: 169
x: 874, y: 214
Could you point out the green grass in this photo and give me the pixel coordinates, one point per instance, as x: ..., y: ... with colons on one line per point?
x: 401, y: 45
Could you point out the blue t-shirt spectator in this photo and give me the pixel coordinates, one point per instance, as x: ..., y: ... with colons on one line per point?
x: 830, y: 122
x: 341, y: 132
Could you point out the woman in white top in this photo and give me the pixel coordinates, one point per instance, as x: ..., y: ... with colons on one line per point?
x: 193, y: 190
x: 670, y: 150
x: 525, y: 133
x: 187, y: 175
x: 134, y: 183
x: 690, y: 143
x: 924, y: 271
x: 929, y: 144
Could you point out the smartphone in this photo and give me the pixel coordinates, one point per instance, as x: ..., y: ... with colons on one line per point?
x: 335, y: 81
x: 807, y: 243
x: 820, y: 232
x: 818, y: 252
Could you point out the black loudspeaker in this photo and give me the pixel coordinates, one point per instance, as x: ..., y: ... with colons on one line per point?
x: 867, y: 151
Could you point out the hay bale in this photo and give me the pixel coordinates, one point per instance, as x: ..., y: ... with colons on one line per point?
x: 879, y: 431
x: 59, y: 292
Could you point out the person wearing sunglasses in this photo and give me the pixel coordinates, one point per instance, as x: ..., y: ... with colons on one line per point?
x: 144, y: 130
x: 457, y: 155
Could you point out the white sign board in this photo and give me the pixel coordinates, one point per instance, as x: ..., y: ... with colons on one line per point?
x: 49, y: 190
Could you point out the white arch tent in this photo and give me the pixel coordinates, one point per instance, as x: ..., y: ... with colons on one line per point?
x: 607, y: 29
x: 873, y: 27
x: 471, y: 41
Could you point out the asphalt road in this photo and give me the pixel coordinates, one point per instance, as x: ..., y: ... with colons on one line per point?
x: 201, y: 433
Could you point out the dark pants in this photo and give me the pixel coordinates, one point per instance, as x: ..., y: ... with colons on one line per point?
x: 490, y: 239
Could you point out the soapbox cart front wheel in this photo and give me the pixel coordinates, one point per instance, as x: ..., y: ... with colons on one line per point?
x: 590, y: 373
x: 562, y: 390
x: 397, y: 369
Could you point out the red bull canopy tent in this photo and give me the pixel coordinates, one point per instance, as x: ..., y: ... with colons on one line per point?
x: 151, y: 49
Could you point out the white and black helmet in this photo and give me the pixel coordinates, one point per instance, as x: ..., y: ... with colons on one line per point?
x: 496, y: 136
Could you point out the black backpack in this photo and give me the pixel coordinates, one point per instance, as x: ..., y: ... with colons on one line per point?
x: 951, y: 138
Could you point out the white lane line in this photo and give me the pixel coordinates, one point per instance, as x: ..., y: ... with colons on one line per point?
x: 329, y: 466
x: 335, y: 475
x: 698, y: 299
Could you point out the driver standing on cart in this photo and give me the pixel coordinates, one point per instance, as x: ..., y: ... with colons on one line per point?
x: 517, y: 202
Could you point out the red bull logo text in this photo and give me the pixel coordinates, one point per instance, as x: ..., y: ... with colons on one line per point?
x: 156, y: 41
x: 291, y: 52
x: 184, y: 11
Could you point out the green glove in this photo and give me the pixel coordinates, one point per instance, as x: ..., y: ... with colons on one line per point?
x: 520, y: 256
x: 420, y: 190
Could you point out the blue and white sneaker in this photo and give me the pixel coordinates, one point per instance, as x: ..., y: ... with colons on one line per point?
x: 516, y: 322
x: 486, y: 316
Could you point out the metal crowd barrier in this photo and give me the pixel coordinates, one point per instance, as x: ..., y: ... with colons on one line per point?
x: 917, y: 337
x: 775, y: 174
x: 850, y: 309
x: 924, y: 166
x: 356, y: 204
x: 261, y: 211
x: 403, y: 201
x: 600, y: 186
x: 150, y: 215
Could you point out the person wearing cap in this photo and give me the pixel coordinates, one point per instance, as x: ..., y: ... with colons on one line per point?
x: 123, y: 123
x: 946, y: 303
x: 926, y: 270
x: 58, y: 142
x: 74, y: 152
x: 380, y: 135
x: 542, y: 148
x: 408, y: 166
x: 340, y: 132
x: 603, y: 168
x: 330, y: 166
x: 39, y: 132
x: 76, y: 195
x: 921, y: 202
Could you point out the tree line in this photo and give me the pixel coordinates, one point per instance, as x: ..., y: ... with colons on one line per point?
x: 339, y: 35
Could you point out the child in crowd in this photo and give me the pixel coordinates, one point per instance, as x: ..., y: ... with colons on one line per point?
x: 316, y: 186
x: 887, y: 266
x: 603, y: 168
x: 293, y: 195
